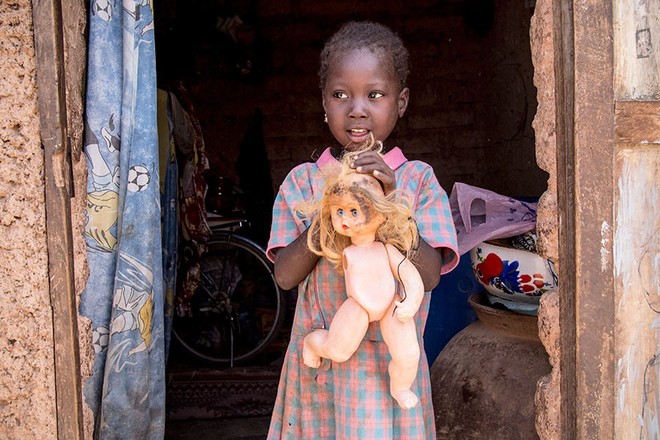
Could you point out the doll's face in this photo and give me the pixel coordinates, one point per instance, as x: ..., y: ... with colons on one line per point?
x: 352, y: 213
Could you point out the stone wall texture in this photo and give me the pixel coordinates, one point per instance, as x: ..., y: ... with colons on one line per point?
x: 541, y: 41
x: 547, y: 399
x: 27, y: 387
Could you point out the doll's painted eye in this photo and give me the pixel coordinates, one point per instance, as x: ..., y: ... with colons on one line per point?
x: 340, y: 212
x: 354, y: 212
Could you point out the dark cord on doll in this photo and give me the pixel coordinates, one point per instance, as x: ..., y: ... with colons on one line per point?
x: 403, y: 286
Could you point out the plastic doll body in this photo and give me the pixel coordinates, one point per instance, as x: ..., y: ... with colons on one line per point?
x: 368, y: 279
x: 370, y: 270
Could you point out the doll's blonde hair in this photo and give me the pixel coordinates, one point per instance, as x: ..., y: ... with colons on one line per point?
x: 398, y: 228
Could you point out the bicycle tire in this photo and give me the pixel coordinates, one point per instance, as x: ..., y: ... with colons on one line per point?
x: 248, y: 308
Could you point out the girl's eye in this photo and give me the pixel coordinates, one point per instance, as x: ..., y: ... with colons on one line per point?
x: 355, y: 212
x: 340, y: 212
x: 340, y: 95
x: 376, y: 95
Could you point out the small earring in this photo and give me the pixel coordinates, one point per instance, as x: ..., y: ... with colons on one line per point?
x: 325, y: 118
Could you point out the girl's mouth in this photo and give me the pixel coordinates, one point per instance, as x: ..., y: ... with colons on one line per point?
x: 358, y: 134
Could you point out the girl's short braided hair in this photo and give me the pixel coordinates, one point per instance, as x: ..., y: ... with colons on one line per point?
x: 367, y: 35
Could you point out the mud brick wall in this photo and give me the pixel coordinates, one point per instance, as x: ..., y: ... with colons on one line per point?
x: 27, y: 382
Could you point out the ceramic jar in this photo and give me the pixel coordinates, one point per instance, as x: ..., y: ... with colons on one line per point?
x: 513, y: 275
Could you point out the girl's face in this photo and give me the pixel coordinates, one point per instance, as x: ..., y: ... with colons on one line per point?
x: 362, y: 96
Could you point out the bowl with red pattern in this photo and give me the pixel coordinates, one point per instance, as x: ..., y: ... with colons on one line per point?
x: 511, y: 273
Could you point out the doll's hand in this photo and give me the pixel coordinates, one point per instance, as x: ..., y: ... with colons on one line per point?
x: 404, y: 310
x: 370, y: 162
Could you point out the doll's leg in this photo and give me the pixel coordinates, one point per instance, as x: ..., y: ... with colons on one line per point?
x: 401, y: 340
x: 342, y: 338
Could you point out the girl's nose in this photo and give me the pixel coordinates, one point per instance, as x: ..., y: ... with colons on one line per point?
x: 358, y: 109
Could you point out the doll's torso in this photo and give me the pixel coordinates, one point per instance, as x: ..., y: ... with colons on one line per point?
x: 369, y: 278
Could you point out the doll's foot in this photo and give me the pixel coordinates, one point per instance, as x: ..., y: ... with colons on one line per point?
x: 406, y: 399
x: 310, y: 358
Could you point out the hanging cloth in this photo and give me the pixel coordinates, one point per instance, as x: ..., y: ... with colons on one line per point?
x: 194, y: 229
x: 123, y: 297
x: 169, y: 194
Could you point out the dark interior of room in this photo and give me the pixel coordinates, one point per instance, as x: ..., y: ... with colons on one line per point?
x: 250, y: 68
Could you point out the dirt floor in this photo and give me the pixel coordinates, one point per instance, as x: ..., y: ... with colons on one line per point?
x: 238, y: 428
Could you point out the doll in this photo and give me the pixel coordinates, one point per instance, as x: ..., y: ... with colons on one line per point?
x: 368, y: 236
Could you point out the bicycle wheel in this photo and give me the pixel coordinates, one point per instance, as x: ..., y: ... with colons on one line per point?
x: 238, y: 308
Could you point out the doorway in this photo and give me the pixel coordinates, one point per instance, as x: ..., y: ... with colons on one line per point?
x: 472, y: 93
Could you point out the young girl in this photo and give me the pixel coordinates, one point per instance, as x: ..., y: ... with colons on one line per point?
x: 363, y: 73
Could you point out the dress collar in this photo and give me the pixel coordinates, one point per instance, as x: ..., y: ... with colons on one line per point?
x: 393, y: 158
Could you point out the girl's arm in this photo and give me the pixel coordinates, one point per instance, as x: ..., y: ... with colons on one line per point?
x: 428, y: 262
x: 294, y: 262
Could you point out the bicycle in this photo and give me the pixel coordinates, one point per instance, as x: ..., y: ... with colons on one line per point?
x: 238, y: 308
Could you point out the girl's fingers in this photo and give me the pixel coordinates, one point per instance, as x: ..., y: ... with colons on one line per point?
x: 369, y: 159
x: 372, y: 163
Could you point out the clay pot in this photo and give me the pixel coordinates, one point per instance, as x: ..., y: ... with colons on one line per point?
x: 484, y: 380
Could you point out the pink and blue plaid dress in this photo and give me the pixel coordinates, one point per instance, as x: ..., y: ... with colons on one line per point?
x: 351, y: 400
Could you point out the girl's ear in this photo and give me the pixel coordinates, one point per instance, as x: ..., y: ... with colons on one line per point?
x: 404, y: 96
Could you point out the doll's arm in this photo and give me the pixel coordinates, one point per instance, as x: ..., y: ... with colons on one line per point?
x: 413, y: 287
x: 294, y: 262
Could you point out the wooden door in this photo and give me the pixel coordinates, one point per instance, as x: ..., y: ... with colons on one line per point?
x: 608, y: 126
x: 636, y: 252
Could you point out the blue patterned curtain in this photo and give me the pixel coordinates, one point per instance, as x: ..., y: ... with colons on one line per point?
x: 124, y: 295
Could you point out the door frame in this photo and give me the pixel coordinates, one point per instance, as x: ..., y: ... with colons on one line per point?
x: 59, y: 190
x: 584, y: 66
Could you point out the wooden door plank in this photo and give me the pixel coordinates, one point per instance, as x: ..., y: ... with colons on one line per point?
x: 58, y: 190
x: 637, y: 122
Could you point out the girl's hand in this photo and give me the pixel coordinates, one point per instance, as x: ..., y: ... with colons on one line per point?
x: 370, y: 162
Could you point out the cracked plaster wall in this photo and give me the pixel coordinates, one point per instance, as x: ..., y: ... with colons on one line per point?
x: 547, y: 399
x: 27, y: 382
